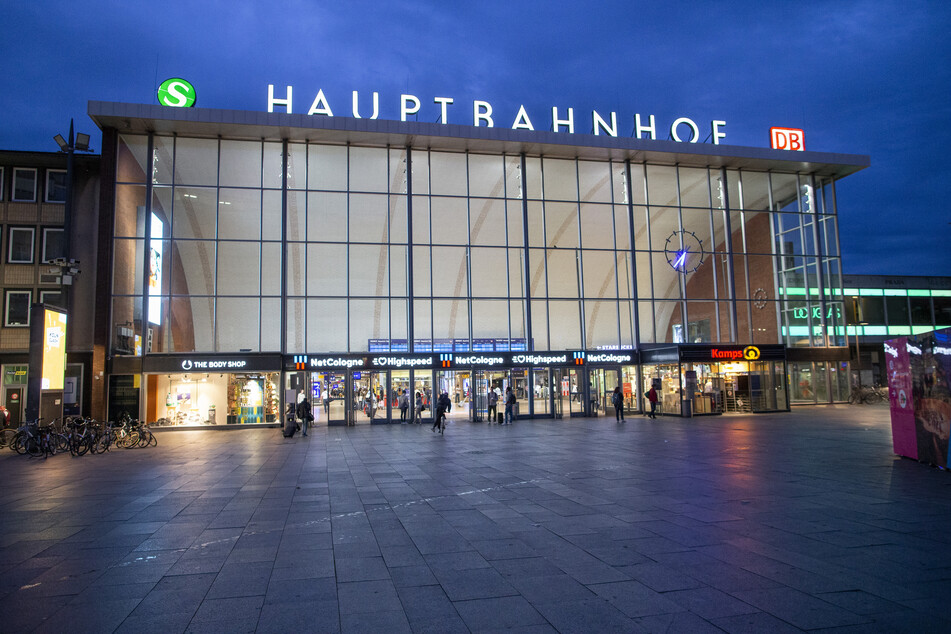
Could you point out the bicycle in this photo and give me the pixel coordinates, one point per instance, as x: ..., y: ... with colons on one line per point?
x: 146, y: 437
x: 864, y: 394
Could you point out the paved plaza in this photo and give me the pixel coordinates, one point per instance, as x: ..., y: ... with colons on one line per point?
x: 766, y: 523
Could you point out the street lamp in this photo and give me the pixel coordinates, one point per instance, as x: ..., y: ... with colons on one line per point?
x: 857, y: 314
x: 78, y: 144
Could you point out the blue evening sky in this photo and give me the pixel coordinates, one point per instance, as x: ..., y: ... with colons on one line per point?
x: 871, y: 77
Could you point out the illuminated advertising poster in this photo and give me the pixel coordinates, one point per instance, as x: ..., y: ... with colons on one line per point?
x: 932, y: 401
x: 54, y: 350
x: 155, y: 270
x: 901, y: 399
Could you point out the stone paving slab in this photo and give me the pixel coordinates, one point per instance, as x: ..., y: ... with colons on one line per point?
x: 803, y: 521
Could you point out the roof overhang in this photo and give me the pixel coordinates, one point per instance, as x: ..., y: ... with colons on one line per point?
x: 276, y: 126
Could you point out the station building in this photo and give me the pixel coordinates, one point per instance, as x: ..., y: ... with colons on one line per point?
x: 256, y: 257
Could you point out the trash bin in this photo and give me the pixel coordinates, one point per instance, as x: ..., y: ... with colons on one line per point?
x: 688, y: 408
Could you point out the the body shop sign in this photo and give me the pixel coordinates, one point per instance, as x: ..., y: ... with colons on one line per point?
x: 207, y: 364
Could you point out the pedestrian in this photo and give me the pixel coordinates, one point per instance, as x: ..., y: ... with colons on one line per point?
x: 617, y: 399
x: 419, y: 409
x: 404, y: 405
x: 443, y: 406
x: 327, y: 400
x: 304, y: 415
x: 509, y: 405
x: 493, y: 406
x: 652, y: 398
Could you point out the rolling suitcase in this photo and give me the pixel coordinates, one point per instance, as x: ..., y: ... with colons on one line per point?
x: 501, y: 417
x: 290, y: 426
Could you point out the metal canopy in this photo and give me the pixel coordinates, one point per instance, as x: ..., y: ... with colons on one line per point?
x: 244, y: 124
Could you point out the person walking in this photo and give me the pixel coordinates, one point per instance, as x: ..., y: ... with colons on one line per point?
x: 652, y: 398
x: 304, y: 415
x: 617, y: 399
x: 404, y: 405
x: 509, y: 405
x: 443, y: 405
x: 418, y: 410
x: 493, y: 400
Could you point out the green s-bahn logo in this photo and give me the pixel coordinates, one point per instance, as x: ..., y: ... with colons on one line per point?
x: 176, y: 93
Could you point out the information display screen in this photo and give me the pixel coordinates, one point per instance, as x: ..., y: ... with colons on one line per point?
x: 54, y: 349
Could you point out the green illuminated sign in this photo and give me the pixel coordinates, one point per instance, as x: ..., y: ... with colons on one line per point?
x: 176, y: 93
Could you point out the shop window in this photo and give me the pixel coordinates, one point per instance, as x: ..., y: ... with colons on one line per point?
x: 897, y: 309
x: 53, y: 244
x: 24, y: 184
x: 20, y: 245
x: 942, y: 311
x: 17, y: 308
x: 56, y: 186
x: 920, y: 311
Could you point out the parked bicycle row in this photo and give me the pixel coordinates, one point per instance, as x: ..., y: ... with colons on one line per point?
x: 868, y: 394
x: 77, y: 435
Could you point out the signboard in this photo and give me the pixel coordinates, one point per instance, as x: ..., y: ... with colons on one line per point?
x: 900, y: 397
x: 209, y: 363
x: 176, y: 93
x: 155, y: 270
x: 787, y: 139
x: 54, y: 350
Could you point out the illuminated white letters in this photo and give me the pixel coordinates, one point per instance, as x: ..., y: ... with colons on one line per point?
x: 443, y: 102
x: 404, y: 110
x: 600, y: 124
x: 320, y: 105
x: 522, y: 122
x: 483, y: 115
x: 693, y: 127
x: 376, y: 105
x: 638, y: 128
x: 570, y: 121
x: 715, y: 131
x: 271, y: 101
x: 482, y: 111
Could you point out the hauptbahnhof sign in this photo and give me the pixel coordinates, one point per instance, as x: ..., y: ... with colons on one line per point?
x: 483, y: 115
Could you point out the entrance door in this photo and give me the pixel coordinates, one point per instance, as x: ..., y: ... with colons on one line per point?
x: 370, y: 403
x: 423, y: 385
x: 458, y: 384
x: 577, y: 390
x: 333, y: 402
x: 542, y: 392
x: 480, y: 396
x: 13, y: 401
x: 559, y: 391
x: 603, y: 382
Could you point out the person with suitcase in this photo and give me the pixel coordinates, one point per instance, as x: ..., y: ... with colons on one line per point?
x: 290, y: 421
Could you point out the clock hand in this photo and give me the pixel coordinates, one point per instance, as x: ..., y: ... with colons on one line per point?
x: 680, y: 260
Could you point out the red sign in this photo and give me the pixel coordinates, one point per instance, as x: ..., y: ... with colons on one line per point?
x: 787, y: 139
x: 716, y: 353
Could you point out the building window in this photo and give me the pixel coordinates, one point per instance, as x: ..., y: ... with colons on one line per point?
x: 1, y: 182
x: 55, y: 186
x: 20, y: 245
x: 24, y: 184
x: 17, y: 308
x: 52, y: 298
x: 53, y: 244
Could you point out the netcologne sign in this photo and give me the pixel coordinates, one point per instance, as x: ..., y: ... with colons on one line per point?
x: 484, y: 115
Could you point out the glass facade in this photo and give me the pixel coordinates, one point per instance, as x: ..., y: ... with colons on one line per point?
x: 224, y: 245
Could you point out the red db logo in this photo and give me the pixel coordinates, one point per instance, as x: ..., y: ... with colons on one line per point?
x: 787, y: 139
